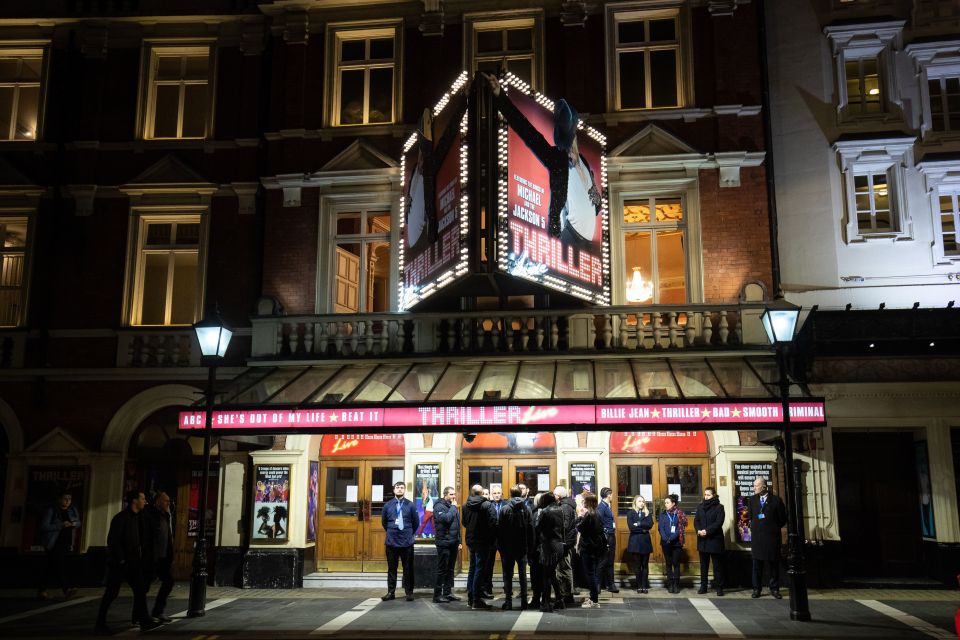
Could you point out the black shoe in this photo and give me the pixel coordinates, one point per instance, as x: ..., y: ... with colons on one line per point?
x: 614, y: 589
x: 755, y: 594
x: 644, y: 591
x: 409, y: 597
x: 569, y: 601
x: 534, y: 603
x: 487, y: 594
x: 452, y: 598
x: 507, y: 604
x: 162, y: 617
x: 102, y: 630
x: 470, y: 601
x: 720, y: 591
x: 523, y: 604
x: 388, y: 596
x: 559, y: 604
x: 702, y: 590
x: 440, y: 600
x: 576, y: 592
x: 545, y: 608
x: 776, y: 594
x: 480, y: 605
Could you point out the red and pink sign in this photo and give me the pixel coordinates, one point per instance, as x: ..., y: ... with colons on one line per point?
x: 460, y: 418
x: 362, y: 444
x: 658, y: 442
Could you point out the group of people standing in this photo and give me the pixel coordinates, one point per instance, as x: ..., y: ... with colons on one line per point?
x: 552, y: 532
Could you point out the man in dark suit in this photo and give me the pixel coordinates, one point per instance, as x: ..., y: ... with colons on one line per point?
x: 399, y: 519
x: 497, y: 502
x: 767, y: 516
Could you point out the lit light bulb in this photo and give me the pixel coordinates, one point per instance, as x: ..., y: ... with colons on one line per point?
x: 638, y: 290
x: 874, y: 91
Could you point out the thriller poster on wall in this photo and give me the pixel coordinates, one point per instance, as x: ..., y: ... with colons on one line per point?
x: 744, y: 473
x: 44, y: 486
x: 583, y: 477
x: 271, y: 505
x: 427, y: 489
x: 313, y: 484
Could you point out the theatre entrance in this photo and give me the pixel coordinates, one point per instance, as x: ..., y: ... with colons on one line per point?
x: 654, y: 465
x: 356, y: 477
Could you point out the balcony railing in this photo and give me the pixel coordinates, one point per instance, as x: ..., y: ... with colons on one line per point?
x: 635, y: 329
x: 157, y: 347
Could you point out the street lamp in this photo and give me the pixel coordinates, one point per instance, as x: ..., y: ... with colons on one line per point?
x: 214, y: 337
x: 780, y: 322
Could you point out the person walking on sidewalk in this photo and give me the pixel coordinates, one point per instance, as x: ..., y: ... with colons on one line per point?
x: 480, y: 521
x: 709, y: 525
x: 609, y: 522
x: 399, y: 519
x: 128, y: 555
x: 639, y: 523
x: 446, y: 525
x: 767, y: 516
x: 593, y: 548
x: 515, y: 541
x: 159, y: 524
x: 58, y: 534
x: 672, y: 523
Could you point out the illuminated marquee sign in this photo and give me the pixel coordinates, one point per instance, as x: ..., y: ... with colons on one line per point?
x: 492, y: 417
x: 557, y: 236
x: 435, y: 205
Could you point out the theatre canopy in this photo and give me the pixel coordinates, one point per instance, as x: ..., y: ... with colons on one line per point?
x: 496, y: 395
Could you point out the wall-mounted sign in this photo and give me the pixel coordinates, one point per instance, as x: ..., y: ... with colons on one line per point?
x: 435, y: 220
x: 658, y: 442
x: 426, y: 489
x: 744, y: 473
x: 271, y: 503
x: 362, y: 444
x: 491, y: 417
x: 553, y: 223
x: 512, y: 442
x: 583, y: 477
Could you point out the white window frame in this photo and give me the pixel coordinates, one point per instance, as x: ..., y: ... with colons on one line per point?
x: 934, y: 61
x: 337, y: 33
x: 152, y: 51
x: 941, y: 177
x: 28, y: 216
x: 140, y: 220
x: 473, y: 23
x: 26, y: 52
x: 687, y: 189
x: 891, y: 156
x: 857, y: 42
x: 646, y: 10
x: 333, y: 205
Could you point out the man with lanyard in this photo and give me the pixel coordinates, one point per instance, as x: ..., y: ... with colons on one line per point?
x: 604, y: 510
x: 767, y: 516
x: 399, y: 519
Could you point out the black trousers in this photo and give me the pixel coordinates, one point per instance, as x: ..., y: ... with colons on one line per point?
x: 56, y: 569
x: 487, y: 582
x: 508, y: 563
x: 536, y: 578
x: 548, y: 577
x: 116, y: 576
x: 607, y: 580
x: 671, y: 556
x: 717, y: 569
x: 565, y: 574
x: 404, y: 556
x: 643, y: 571
x: 590, y: 564
x: 161, y: 571
x: 446, y: 561
x: 773, y: 569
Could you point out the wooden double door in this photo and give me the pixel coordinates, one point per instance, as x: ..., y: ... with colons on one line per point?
x: 655, y: 478
x: 350, y: 536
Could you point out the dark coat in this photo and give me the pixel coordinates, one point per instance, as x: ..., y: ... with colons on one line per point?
x: 710, y: 516
x: 515, y: 529
x: 446, y: 523
x: 592, y: 538
x: 125, y: 541
x: 550, y: 535
x: 607, y: 519
x: 157, y: 528
x: 639, y: 526
x: 51, y: 524
x: 497, y: 508
x: 569, y: 508
x: 397, y: 537
x: 765, y: 532
x: 480, y: 521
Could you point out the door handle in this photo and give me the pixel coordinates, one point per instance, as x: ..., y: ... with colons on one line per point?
x: 360, y: 513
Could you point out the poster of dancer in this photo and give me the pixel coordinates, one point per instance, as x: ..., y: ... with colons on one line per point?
x: 313, y: 485
x: 271, y: 505
x: 427, y: 490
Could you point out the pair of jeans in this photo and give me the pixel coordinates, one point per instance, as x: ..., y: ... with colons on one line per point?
x: 487, y: 582
x: 591, y: 567
x: 161, y: 570
x: 548, y: 577
x: 508, y: 563
x: 717, y: 569
x: 643, y: 570
x: 773, y: 568
x: 565, y: 574
x: 607, y: 580
x: 446, y: 560
x: 671, y: 556
x: 404, y: 556
x: 478, y: 560
x: 116, y: 576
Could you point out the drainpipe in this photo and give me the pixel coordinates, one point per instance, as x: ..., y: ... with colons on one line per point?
x: 768, y: 140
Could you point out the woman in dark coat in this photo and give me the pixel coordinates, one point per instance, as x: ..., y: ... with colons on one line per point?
x: 672, y: 523
x: 592, y: 547
x: 709, y: 525
x: 550, y: 531
x: 639, y: 523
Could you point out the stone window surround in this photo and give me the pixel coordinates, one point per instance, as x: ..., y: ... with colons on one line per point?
x: 866, y: 40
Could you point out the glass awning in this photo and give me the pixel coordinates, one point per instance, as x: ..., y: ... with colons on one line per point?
x: 498, y: 381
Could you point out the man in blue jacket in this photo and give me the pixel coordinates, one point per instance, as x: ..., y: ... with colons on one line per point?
x: 609, y: 522
x: 399, y: 518
x: 446, y: 523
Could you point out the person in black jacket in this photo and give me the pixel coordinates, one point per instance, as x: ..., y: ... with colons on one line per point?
x: 551, y: 535
x: 496, y: 503
x: 128, y: 555
x: 593, y: 548
x: 767, y: 516
x: 639, y: 523
x: 159, y: 526
x: 515, y: 542
x: 609, y: 521
x: 480, y: 521
x: 565, y: 568
x: 446, y: 524
x: 709, y: 525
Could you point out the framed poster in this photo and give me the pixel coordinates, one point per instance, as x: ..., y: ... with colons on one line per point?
x: 313, y: 484
x: 583, y: 477
x: 744, y: 473
x: 427, y: 489
x: 193, y: 516
x: 44, y: 486
x: 271, y: 504
x: 928, y: 524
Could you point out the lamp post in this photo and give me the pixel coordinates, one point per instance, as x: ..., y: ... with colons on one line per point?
x: 214, y: 337
x: 780, y: 322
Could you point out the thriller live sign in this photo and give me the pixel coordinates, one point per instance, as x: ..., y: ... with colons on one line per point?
x: 707, y: 415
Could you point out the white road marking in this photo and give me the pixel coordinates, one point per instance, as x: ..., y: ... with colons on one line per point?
x: 52, y: 607
x: 344, y: 619
x: 718, y: 622
x: 907, y: 619
x: 526, y: 622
